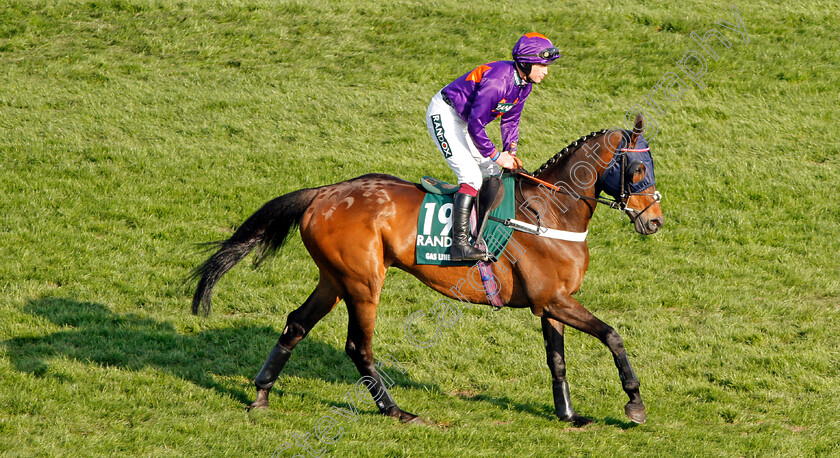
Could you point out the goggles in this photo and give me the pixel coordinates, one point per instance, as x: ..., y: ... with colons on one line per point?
x: 547, y: 53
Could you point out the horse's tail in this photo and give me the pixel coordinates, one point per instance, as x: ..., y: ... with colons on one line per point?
x: 266, y: 230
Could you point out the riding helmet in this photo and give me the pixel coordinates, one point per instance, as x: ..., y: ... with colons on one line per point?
x: 533, y: 48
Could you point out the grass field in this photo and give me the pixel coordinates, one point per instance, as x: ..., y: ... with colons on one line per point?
x: 131, y: 131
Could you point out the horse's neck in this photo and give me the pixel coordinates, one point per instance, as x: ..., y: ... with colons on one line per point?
x: 559, y: 208
x: 566, y: 210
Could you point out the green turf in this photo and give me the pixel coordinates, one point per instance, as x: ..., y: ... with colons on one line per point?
x: 131, y: 131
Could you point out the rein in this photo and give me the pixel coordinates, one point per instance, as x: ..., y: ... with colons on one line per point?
x: 610, y: 203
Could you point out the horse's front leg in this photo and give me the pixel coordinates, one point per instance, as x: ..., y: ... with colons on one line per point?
x: 569, y: 311
x: 556, y: 358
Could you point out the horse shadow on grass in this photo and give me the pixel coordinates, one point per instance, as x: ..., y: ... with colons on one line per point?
x: 540, y: 410
x: 92, y: 333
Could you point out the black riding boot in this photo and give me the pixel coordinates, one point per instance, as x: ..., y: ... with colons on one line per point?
x: 461, y: 249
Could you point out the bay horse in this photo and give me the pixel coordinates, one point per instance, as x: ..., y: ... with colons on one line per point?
x: 356, y: 229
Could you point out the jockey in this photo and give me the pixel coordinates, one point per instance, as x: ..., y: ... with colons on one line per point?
x: 458, y: 114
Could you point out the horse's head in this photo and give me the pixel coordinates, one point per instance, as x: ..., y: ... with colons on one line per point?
x: 630, y: 180
x: 615, y: 162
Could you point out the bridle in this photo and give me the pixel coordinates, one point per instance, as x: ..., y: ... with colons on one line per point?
x: 619, y: 203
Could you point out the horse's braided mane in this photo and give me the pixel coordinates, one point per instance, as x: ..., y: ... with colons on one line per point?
x: 567, y: 150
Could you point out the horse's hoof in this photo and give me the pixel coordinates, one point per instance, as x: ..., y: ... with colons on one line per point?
x: 261, y: 402
x: 258, y: 405
x: 405, y: 417
x: 635, y: 412
x: 408, y: 418
x: 578, y: 420
x: 414, y: 421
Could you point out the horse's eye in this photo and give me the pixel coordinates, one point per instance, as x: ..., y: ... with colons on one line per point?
x: 635, y: 172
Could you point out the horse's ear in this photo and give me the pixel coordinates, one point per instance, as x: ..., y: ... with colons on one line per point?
x: 638, y: 128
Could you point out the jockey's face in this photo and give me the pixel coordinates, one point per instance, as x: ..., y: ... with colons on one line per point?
x: 538, y: 72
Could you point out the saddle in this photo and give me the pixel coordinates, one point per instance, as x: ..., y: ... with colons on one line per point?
x: 490, y: 196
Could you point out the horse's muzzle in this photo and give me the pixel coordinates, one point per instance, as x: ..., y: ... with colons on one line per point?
x: 649, y: 226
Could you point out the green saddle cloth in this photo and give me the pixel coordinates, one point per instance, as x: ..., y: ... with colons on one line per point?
x: 434, y: 225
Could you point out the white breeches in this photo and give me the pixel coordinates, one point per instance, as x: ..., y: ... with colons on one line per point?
x: 449, y: 133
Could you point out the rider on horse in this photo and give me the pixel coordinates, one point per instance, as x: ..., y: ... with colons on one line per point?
x: 458, y: 114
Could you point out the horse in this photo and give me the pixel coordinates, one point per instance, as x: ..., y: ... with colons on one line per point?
x: 379, y: 214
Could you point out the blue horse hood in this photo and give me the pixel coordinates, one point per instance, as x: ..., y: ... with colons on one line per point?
x: 611, y: 179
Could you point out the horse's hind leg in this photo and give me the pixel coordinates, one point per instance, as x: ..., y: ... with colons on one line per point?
x: 556, y: 358
x: 359, y: 348
x: 298, y: 325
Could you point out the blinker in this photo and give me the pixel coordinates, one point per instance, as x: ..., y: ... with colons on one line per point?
x: 630, y: 171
